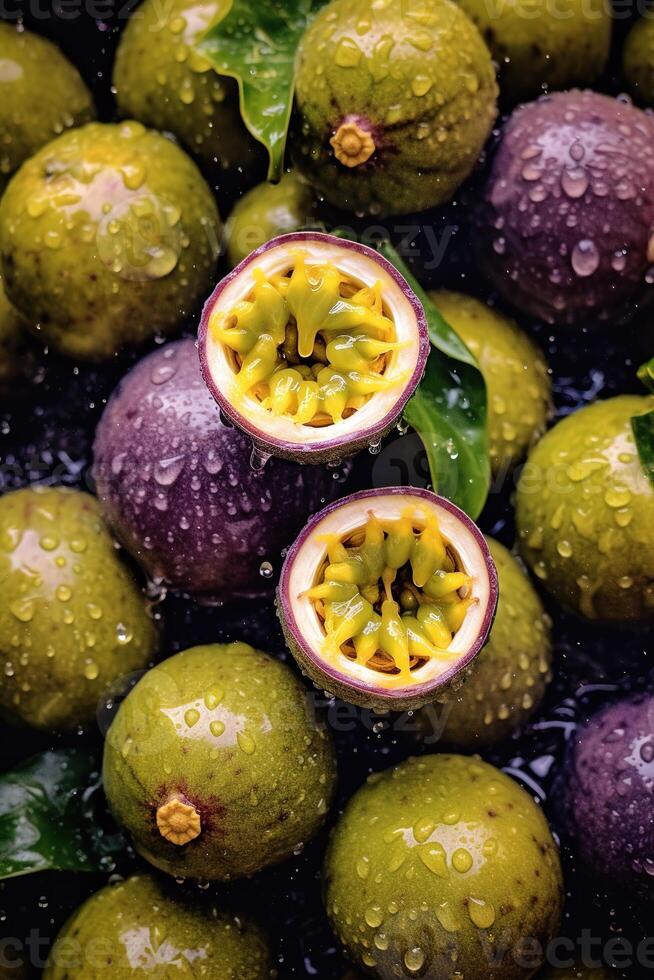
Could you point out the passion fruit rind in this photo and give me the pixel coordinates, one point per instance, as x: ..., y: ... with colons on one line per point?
x: 387, y: 596
x: 312, y: 346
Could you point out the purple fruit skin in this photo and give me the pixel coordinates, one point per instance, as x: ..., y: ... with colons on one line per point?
x: 566, y: 221
x: 177, y: 487
x: 609, y: 795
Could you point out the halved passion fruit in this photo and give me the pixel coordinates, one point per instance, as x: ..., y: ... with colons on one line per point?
x: 312, y: 346
x: 387, y: 596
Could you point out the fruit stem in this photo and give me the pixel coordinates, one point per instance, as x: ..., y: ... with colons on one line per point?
x: 352, y: 143
x: 178, y: 822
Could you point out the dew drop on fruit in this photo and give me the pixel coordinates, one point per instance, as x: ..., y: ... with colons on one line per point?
x: 585, y: 258
x: 265, y: 569
x: 414, y: 959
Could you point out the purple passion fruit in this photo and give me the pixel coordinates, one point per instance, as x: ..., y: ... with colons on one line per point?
x: 216, y: 764
x: 565, y: 228
x: 395, y: 103
x: 176, y: 484
x: 387, y: 596
x: 313, y: 346
x: 441, y: 867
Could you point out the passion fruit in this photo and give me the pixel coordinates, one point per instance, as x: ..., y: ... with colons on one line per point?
x: 313, y: 346
x: 638, y: 60
x: 72, y: 619
x: 176, y: 485
x: 387, y: 596
x: 395, y: 103
x: 108, y: 235
x: 216, y: 764
x: 268, y: 210
x: 443, y: 863
x: 137, y: 929
x: 12, y: 346
x: 585, y: 514
x: 565, y: 228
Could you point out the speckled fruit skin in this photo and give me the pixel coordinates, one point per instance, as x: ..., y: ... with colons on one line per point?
x: 262, y: 783
x: 585, y: 514
x: 608, y: 795
x: 638, y: 61
x: 515, y: 371
x: 423, y: 85
x: 510, y: 675
x: 108, y: 235
x: 41, y: 94
x: 266, y: 211
x: 442, y: 863
x: 72, y: 619
x: 176, y: 484
x: 137, y: 929
x: 537, y: 45
x: 163, y: 82
x: 564, y: 228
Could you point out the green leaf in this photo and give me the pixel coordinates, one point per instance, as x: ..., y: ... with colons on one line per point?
x: 646, y: 374
x: 643, y: 425
x: 256, y: 43
x: 51, y: 816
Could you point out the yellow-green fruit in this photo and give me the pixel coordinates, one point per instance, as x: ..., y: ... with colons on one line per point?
x: 515, y: 372
x: 72, y: 619
x: 638, y: 60
x: 510, y: 674
x: 139, y: 929
x: 585, y: 514
x: 539, y: 46
x: 41, y: 94
x: 395, y: 101
x: 216, y: 765
x: 12, y: 334
x: 161, y: 80
x: 266, y: 211
x: 108, y: 235
x: 441, y: 867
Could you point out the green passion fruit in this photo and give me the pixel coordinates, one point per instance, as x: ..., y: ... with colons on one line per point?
x: 441, y: 867
x: 216, y: 765
x: 395, y: 100
x: 12, y: 346
x: 72, y: 619
x: 585, y: 514
x: 136, y: 928
x: 638, y: 61
x: 387, y: 596
x: 313, y: 346
x: 268, y: 210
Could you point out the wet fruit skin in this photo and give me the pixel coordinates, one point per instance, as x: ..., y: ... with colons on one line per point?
x: 511, y: 672
x: 585, y: 514
x: 176, y: 485
x: 515, y: 371
x: 41, y: 94
x: 432, y: 863
x: 408, y: 102
x: 564, y: 227
x: 608, y: 795
x: 108, y: 235
x: 266, y: 211
x: 228, y: 732
x: 638, y: 61
x: 139, y: 929
x: 72, y: 619
x: 539, y: 47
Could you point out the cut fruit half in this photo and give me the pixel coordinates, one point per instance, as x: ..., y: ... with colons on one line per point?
x: 387, y: 596
x: 312, y: 346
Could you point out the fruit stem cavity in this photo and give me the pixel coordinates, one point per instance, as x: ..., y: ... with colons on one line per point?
x: 352, y: 143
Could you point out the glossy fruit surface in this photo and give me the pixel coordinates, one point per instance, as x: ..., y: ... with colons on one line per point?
x: 265, y: 212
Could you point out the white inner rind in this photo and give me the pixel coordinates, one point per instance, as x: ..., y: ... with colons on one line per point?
x: 310, y: 559
x: 400, y: 363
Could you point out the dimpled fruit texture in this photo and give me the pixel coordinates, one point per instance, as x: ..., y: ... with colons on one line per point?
x: 638, y: 60
x: 585, y: 514
x: 564, y: 229
x: 108, y: 235
x: 41, y: 94
x: 609, y: 794
x: 137, y: 930
x: 266, y: 211
x: 510, y: 674
x: 230, y: 732
x: 72, y: 619
x: 164, y: 82
x: 419, y: 79
x: 177, y: 487
x: 442, y: 863
x: 515, y: 371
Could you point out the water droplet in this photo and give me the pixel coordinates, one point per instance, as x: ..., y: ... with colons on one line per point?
x: 217, y: 728
x: 23, y: 609
x: 123, y: 634
x: 167, y: 471
x: 481, y: 913
x: 91, y: 670
x: 585, y: 258
x: 414, y: 959
x: 246, y: 743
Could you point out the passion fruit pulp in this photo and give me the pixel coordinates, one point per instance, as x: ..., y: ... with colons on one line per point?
x: 313, y: 346
x: 387, y: 597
